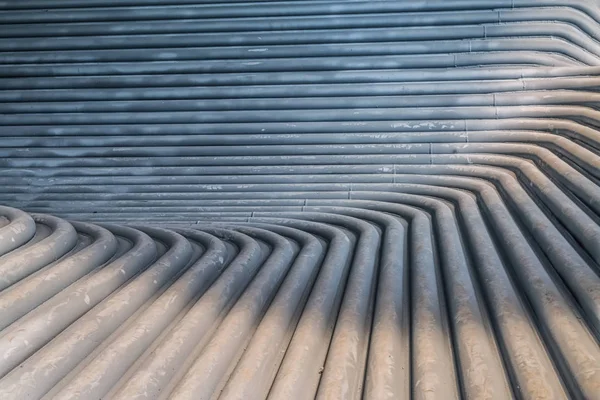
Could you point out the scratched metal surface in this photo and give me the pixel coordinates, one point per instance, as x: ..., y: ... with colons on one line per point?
x: 300, y: 200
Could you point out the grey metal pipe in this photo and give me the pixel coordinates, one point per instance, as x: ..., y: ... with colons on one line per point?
x: 255, y: 371
x: 340, y: 21
x: 20, y: 298
x: 34, y: 330
x: 291, y: 8
x: 22, y: 262
x: 19, y: 229
x: 223, y: 349
x: 162, y: 365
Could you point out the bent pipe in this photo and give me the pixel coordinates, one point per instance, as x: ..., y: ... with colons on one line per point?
x: 558, y: 156
x: 358, y: 69
x: 18, y: 230
x: 286, y: 9
x: 192, y: 84
x: 29, y: 293
x: 104, y: 371
x: 527, y: 385
x: 448, y: 49
x: 584, y: 135
x: 249, y: 251
x: 28, y: 334
x: 224, y: 347
x: 257, y: 367
x: 536, y: 222
x: 557, y: 293
x: 551, y: 195
x: 529, y: 97
x: 563, y: 13
x: 255, y: 85
x: 584, y: 114
x: 15, y: 265
x: 579, y: 226
x: 442, y: 34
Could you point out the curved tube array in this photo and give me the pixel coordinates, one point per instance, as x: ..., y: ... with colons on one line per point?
x: 300, y: 199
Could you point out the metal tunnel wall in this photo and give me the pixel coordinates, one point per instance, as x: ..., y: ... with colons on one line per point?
x: 300, y: 199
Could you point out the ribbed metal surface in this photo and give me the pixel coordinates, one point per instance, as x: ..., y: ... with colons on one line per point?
x: 298, y: 200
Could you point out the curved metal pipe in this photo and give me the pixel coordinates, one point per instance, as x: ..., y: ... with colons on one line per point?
x: 19, y: 229
x: 16, y: 265
x: 22, y: 297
